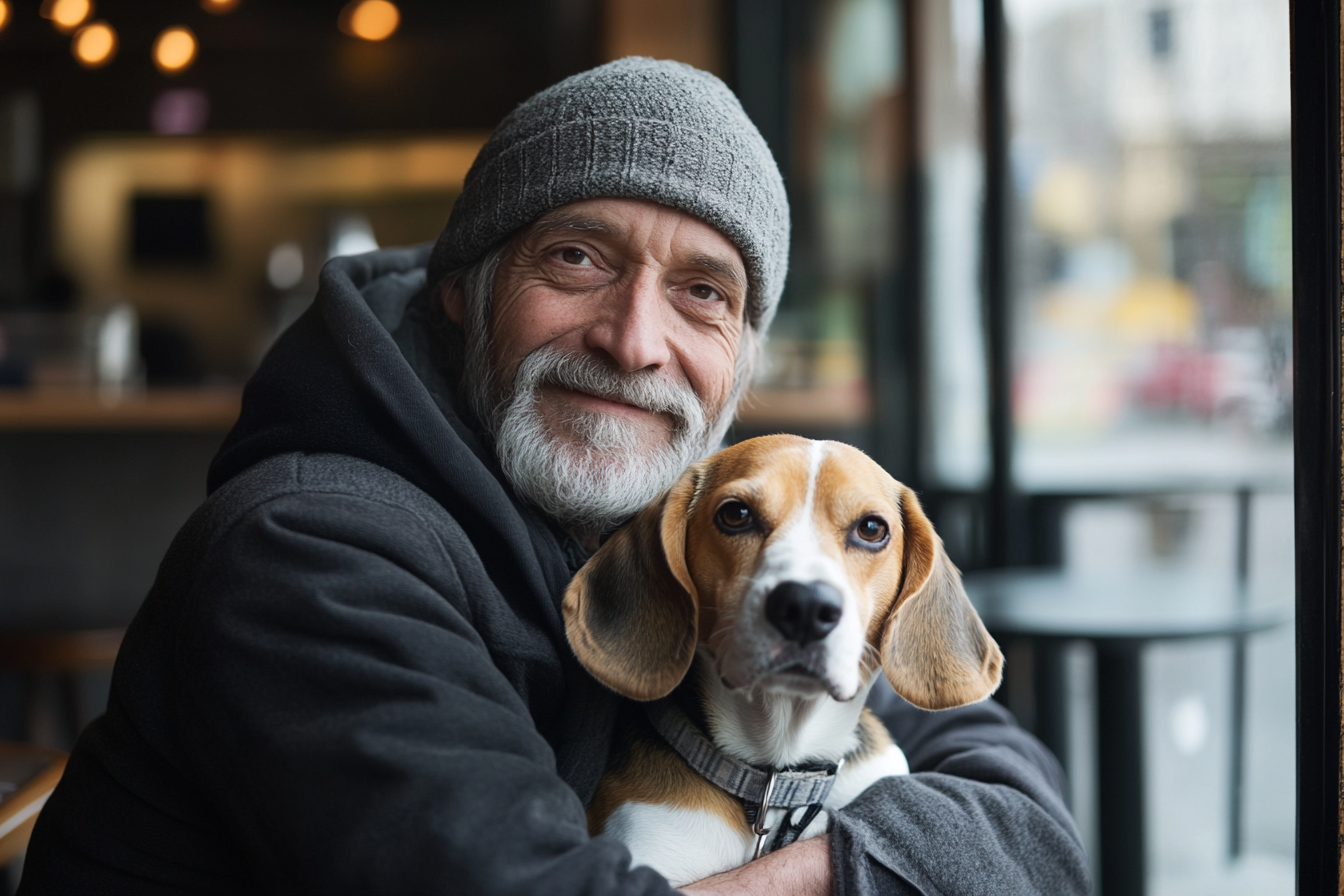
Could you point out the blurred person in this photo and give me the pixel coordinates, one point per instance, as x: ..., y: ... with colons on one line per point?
x: 351, y: 673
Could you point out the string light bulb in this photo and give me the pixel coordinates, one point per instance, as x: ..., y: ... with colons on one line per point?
x: 369, y: 19
x: 66, y: 15
x: 219, y: 7
x: 175, y: 49
x: 95, y: 45
x: 6, y: 13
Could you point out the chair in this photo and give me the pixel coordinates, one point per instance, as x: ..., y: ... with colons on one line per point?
x: 28, y: 775
x: 29, y: 772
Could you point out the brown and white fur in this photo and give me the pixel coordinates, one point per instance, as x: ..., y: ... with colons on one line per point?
x: 694, y: 581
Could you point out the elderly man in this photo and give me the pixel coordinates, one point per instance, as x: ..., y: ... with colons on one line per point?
x: 351, y: 673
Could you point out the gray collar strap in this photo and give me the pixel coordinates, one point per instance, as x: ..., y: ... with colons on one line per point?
x: 757, y: 788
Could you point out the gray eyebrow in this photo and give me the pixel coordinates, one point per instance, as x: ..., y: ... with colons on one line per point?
x: 719, y: 266
x: 558, y: 221
x: 561, y: 221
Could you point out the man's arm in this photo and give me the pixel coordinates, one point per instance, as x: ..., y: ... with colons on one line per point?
x: 801, y: 869
x: 342, y: 707
x: 982, y: 812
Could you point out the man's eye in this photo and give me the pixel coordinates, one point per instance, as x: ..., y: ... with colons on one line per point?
x: 871, y: 530
x: 575, y: 256
x: 704, y: 292
x: 733, y: 516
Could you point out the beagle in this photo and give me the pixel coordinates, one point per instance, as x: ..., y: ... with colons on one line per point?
x: 784, y: 573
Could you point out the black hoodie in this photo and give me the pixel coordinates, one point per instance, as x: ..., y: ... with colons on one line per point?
x: 351, y: 674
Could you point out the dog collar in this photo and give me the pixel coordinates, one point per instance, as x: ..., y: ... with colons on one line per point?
x: 759, y: 789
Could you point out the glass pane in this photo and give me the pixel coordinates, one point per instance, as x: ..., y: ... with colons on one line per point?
x: 1151, y: 391
x: 841, y: 164
x: 1152, y: 247
x: 951, y: 41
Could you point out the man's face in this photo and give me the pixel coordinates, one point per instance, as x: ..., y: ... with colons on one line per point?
x: 619, y: 313
x: 637, y: 285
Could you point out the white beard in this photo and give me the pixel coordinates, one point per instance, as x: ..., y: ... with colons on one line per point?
x: 601, y: 468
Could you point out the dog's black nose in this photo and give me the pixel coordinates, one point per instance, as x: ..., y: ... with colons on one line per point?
x: 804, y: 612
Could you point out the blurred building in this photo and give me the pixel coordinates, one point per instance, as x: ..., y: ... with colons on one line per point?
x: 1151, y: 157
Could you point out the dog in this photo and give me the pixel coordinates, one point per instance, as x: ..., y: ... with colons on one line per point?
x: 750, y: 611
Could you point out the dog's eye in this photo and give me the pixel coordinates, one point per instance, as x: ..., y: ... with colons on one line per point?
x: 871, y: 530
x: 733, y: 516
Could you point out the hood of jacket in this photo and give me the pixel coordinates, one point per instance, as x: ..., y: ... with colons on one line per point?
x: 341, y: 380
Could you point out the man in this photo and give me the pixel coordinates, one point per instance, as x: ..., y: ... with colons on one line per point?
x: 351, y: 673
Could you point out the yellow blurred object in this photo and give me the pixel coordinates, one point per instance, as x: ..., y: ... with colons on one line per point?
x: 1067, y: 202
x: 1154, y: 310
x: 66, y: 15
x: 175, y: 49
x: 1072, y: 312
x: 370, y: 19
x: 6, y: 13
x: 219, y: 7
x: 95, y: 45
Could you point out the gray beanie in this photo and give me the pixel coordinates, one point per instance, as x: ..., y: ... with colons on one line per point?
x: 636, y: 128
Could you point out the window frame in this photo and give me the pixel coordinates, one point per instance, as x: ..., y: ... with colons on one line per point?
x: 1316, y: 76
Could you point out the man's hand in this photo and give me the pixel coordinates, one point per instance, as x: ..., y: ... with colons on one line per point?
x: 800, y: 869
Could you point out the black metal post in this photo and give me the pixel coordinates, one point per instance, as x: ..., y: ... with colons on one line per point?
x: 1003, y: 532
x: 1316, y: 433
x: 1120, y: 768
x: 1050, y: 682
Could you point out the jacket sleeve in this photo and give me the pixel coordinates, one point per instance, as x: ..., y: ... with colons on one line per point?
x: 980, y: 813
x: 342, y: 711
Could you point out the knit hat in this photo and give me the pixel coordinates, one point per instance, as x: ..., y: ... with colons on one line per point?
x: 635, y: 128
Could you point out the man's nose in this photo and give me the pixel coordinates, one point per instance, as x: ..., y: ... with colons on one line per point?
x: 631, y: 327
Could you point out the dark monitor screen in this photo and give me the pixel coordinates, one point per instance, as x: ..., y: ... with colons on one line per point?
x: 170, y: 229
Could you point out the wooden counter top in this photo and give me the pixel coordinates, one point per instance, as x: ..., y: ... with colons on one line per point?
x: 179, y: 410
x: 845, y: 404
x: 216, y: 409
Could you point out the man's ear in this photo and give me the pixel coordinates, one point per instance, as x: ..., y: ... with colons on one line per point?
x: 631, y: 612
x: 452, y: 298
x: 935, y: 650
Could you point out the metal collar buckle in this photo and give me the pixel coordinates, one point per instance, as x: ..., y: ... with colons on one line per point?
x: 758, y: 827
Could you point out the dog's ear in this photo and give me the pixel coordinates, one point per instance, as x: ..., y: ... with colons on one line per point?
x: 631, y: 612
x: 935, y: 650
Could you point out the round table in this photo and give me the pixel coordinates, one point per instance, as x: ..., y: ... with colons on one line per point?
x: 1119, y: 615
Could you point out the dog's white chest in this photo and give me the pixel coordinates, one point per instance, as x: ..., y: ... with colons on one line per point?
x: 686, y: 845
x: 683, y: 845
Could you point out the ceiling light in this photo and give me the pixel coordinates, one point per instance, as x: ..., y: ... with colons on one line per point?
x: 6, y: 13
x: 66, y: 15
x: 369, y: 19
x: 95, y: 44
x: 175, y: 49
x: 219, y: 7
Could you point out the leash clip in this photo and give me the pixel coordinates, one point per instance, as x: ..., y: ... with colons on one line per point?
x: 758, y: 826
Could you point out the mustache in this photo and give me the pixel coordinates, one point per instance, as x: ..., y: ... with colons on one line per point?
x: 651, y: 391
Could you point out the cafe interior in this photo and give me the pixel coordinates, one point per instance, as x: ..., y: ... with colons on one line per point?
x: 1041, y: 271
